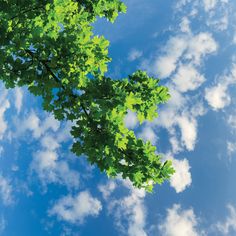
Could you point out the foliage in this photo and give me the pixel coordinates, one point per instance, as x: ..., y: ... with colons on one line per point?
x: 49, y: 46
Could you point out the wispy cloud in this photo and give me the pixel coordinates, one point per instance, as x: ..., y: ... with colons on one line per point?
x: 75, y: 209
x: 2, y: 224
x: 147, y: 133
x: 129, y: 211
x: 48, y: 161
x: 209, y: 4
x: 231, y: 148
x: 134, y: 54
x: 229, y: 224
x: 18, y: 92
x: 6, y: 191
x: 4, y: 106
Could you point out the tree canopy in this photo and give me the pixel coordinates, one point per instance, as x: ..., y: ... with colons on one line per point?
x: 50, y: 47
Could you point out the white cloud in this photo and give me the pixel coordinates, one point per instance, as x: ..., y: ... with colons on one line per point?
x: 231, y: 148
x: 199, y: 46
x: 147, y: 134
x: 4, y: 105
x: 107, y: 189
x: 134, y: 55
x: 232, y: 121
x: 129, y: 211
x: 179, y: 223
x: 175, y: 143
x: 229, y: 225
x: 209, y: 4
x: 50, y: 169
x: 49, y: 142
x: 1, y: 151
x: 47, y: 164
x: 2, y: 224
x: 187, y: 78
x: 219, y: 24
x: 234, y: 38
x: 180, y: 59
x: 131, y: 120
x: 184, y: 46
x: 74, y: 209
x: 18, y: 99
x: 165, y: 65
x: 33, y: 123
x: 218, y: 96
x: 179, y: 117
x: 181, y: 3
x: 188, y: 129
x: 184, y: 25
x: 170, y: 110
x: 181, y: 179
x: 6, y: 190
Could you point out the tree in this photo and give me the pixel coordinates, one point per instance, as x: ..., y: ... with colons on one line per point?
x: 49, y: 46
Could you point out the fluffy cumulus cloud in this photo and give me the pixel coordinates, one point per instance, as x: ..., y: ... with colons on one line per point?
x: 184, y: 46
x: 179, y: 222
x: 50, y: 167
x: 166, y: 64
x: 74, y: 209
x: 179, y: 117
x: 229, y: 224
x: 6, y: 191
x: 217, y: 95
x: 187, y: 78
x: 180, y: 61
x: 188, y: 127
x: 199, y: 46
x: 129, y: 211
x: 181, y: 179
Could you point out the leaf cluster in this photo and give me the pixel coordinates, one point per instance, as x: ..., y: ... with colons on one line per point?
x: 49, y: 46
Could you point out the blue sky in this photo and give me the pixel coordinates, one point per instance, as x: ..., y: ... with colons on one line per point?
x: 46, y: 190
